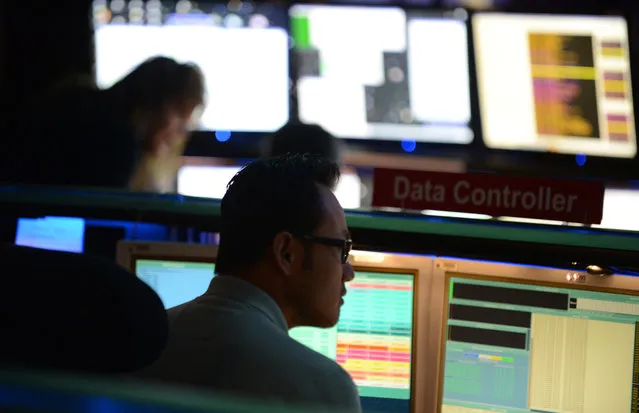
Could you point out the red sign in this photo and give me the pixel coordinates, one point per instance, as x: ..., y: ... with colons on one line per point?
x: 494, y: 195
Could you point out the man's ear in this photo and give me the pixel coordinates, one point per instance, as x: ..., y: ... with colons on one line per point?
x: 285, y: 252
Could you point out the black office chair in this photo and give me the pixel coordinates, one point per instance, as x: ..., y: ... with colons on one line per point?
x: 76, y: 312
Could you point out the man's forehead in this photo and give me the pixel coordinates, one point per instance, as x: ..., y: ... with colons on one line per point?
x: 334, y: 211
x: 330, y: 202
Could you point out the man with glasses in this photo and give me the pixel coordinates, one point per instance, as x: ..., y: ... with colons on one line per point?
x: 282, y: 263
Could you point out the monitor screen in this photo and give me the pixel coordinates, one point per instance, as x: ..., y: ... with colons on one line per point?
x: 382, y: 73
x: 176, y: 282
x: 373, y: 339
x: 242, y: 49
x: 51, y: 233
x: 211, y: 181
x: 564, y: 86
x: 619, y: 211
x: 524, y: 347
x: 205, y: 181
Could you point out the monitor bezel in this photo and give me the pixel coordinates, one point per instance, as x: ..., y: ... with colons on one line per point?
x: 129, y: 252
x: 421, y: 267
x: 446, y: 267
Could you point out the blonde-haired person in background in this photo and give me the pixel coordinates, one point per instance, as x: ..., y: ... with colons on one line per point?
x: 165, y: 137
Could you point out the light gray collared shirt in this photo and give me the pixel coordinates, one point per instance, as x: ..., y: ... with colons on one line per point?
x: 235, y: 339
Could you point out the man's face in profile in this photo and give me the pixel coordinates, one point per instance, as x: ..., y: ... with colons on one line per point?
x: 320, y: 283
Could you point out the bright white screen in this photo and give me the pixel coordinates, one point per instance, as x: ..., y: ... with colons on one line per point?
x: 620, y: 210
x: 382, y: 73
x: 245, y: 68
x: 555, y: 83
x: 211, y: 181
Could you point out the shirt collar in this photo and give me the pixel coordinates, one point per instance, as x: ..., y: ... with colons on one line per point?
x: 243, y: 291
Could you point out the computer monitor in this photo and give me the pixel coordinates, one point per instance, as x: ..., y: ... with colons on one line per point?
x: 211, y: 181
x: 381, y: 334
x: 241, y: 47
x: 176, y: 272
x: 618, y: 211
x: 564, y: 87
x: 382, y: 73
x: 205, y: 181
x: 380, y: 330
x: 528, y: 339
x: 51, y: 233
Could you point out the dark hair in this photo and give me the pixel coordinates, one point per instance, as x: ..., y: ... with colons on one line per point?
x: 266, y: 197
x: 161, y: 81
x: 304, y: 138
x: 158, y: 84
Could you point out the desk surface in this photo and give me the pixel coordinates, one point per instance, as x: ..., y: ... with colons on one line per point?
x: 48, y: 392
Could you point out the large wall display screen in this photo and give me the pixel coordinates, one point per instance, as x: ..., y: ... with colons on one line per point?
x: 555, y: 83
x: 382, y: 73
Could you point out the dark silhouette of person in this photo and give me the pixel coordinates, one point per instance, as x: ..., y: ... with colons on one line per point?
x: 301, y: 138
x: 79, y: 135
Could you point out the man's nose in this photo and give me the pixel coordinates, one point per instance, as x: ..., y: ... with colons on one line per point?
x: 348, y: 273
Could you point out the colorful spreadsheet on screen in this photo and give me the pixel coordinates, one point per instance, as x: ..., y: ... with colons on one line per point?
x: 373, y: 337
x: 524, y: 348
x: 580, y: 86
x: 564, y: 89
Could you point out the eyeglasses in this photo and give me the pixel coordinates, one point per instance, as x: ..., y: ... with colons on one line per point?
x: 345, y: 244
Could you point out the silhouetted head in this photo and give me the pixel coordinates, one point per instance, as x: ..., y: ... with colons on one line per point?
x: 284, y: 231
x: 300, y: 138
x: 161, y: 96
